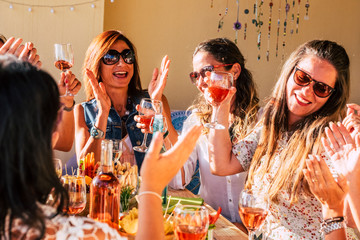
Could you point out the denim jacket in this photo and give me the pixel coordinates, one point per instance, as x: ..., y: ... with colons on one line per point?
x: 114, y: 123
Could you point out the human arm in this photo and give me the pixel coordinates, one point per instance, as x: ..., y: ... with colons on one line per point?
x: 344, y: 150
x: 156, y: 88
x: 84, y: 143
x: 331, y: 193
x: 222, y: 161
x: 66, y: 127
x: 156, y: 174
x: 25, y: 52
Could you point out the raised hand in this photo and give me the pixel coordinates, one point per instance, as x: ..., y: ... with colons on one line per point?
x: 158, y: 169
x: 158, y: 81
x: 342, y: 148
x: 74, y: 85
x: 25, y: 53
x: 103, y: 100
x: 352, y: 119
x: 326, y: 189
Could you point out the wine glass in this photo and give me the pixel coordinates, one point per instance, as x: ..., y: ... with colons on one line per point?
x: 117, y: 149
x: 190, y: 222
x: 58, y: 166
x: 253, y: 210
x: 218, y: 86
x: 76, y: 187
x: 148, y: 109
x: 64, y: 60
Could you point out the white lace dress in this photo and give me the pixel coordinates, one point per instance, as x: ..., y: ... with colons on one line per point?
x: 63, y: 227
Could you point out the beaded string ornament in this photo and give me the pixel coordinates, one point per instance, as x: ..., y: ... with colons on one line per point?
x: 292, y: 18
x: 278, y: 30
x: 246, y: 11
x: 269, y: 32
x: 237, y: 24
x: 287, y: 9
x: 307, y: 5
x: 298, y: 17
x: 258, y: 23
x: 221, y: 21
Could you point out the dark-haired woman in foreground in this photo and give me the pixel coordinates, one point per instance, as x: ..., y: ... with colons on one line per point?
x: 31, y: 111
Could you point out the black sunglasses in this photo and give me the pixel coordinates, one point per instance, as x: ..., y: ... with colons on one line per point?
x: 113, y: 56
x: 194, y: 76
x: 320, y: 89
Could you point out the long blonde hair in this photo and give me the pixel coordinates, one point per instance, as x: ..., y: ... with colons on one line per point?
x: 306, y: 132
x: 245, y: 106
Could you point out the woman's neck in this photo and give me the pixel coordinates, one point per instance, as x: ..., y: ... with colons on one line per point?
x: 118, y: 98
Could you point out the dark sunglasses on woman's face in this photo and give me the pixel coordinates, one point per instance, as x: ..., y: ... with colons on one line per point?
x: 194, y: 76
x: 320, y: 89
x: 112, y: 57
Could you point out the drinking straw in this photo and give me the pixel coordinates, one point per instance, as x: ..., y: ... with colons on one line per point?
x: 65, y: 169
x: 167, y: 207
x: 172, y: 211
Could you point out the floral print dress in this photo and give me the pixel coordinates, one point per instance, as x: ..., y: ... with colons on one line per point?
x: 300, y: 220
x: 62, y: 227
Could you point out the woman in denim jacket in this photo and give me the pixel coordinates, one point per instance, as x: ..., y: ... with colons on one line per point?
x: 113, y: 89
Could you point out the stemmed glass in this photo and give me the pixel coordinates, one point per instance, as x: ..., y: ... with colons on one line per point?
x: 253, y: 210
x: 148, y: 109
x: 218, y: 86
x: 64, y: 60
x: 190, y: 222
x: 117, y: 149
x: 76, y: 187
x: 58, y: 167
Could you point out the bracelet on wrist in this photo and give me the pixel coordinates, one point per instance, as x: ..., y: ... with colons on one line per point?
x: 332, y: 224
x: 69, y: 109
x: 148, y: 193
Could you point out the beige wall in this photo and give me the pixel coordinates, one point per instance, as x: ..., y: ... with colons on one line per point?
x: 44, y: 28
x: 174, y: 27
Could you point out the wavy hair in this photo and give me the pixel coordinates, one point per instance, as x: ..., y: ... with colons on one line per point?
x: 29, y: 110
x: 245, y: 106
x: 306, y: 133
x: 99, y: 46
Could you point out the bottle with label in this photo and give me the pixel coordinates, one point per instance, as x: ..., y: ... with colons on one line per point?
x: 105, y: 190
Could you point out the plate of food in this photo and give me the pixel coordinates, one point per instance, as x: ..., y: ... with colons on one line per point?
x: 128, y: 225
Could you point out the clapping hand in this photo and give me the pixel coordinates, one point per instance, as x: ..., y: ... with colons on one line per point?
x: 158, y: 81
x: 352, y: 119
x: 25, y: 52
x: 99, y: 90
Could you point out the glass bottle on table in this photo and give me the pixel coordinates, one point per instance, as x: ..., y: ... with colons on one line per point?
x: 105, y: 190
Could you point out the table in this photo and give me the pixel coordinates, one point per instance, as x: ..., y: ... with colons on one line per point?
x: 224, y: 229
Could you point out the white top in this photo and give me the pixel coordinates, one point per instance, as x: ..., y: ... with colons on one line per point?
x: 217, y: 191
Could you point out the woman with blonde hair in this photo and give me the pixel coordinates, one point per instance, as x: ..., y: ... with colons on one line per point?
x: 113, y: 89
x: 312, y: 90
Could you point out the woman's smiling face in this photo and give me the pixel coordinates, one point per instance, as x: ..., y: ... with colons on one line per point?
x: 118, y: 75
x: 301, y: 100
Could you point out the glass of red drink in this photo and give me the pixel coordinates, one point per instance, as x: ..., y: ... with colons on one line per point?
x: 253, y: 210
x: 148, y: 109
x: 76, y: 187
x: 191, y: 222
x: 218, y: 86
x: 64, y: 60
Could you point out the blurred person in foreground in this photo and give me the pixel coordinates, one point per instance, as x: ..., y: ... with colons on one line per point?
x: 28, y: 130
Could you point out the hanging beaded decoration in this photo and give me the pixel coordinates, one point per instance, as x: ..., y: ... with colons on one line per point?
x: 212, y: 4
x: 246, y: 11
x: 292, y: 18
x: 258, y: 23
x: 287, y: 9
x: 278, y: 30
x: 307, y: 5
x: 237, y: 24
x: 298, y: 17
x: 221, y: 21
x: 269, y: 28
